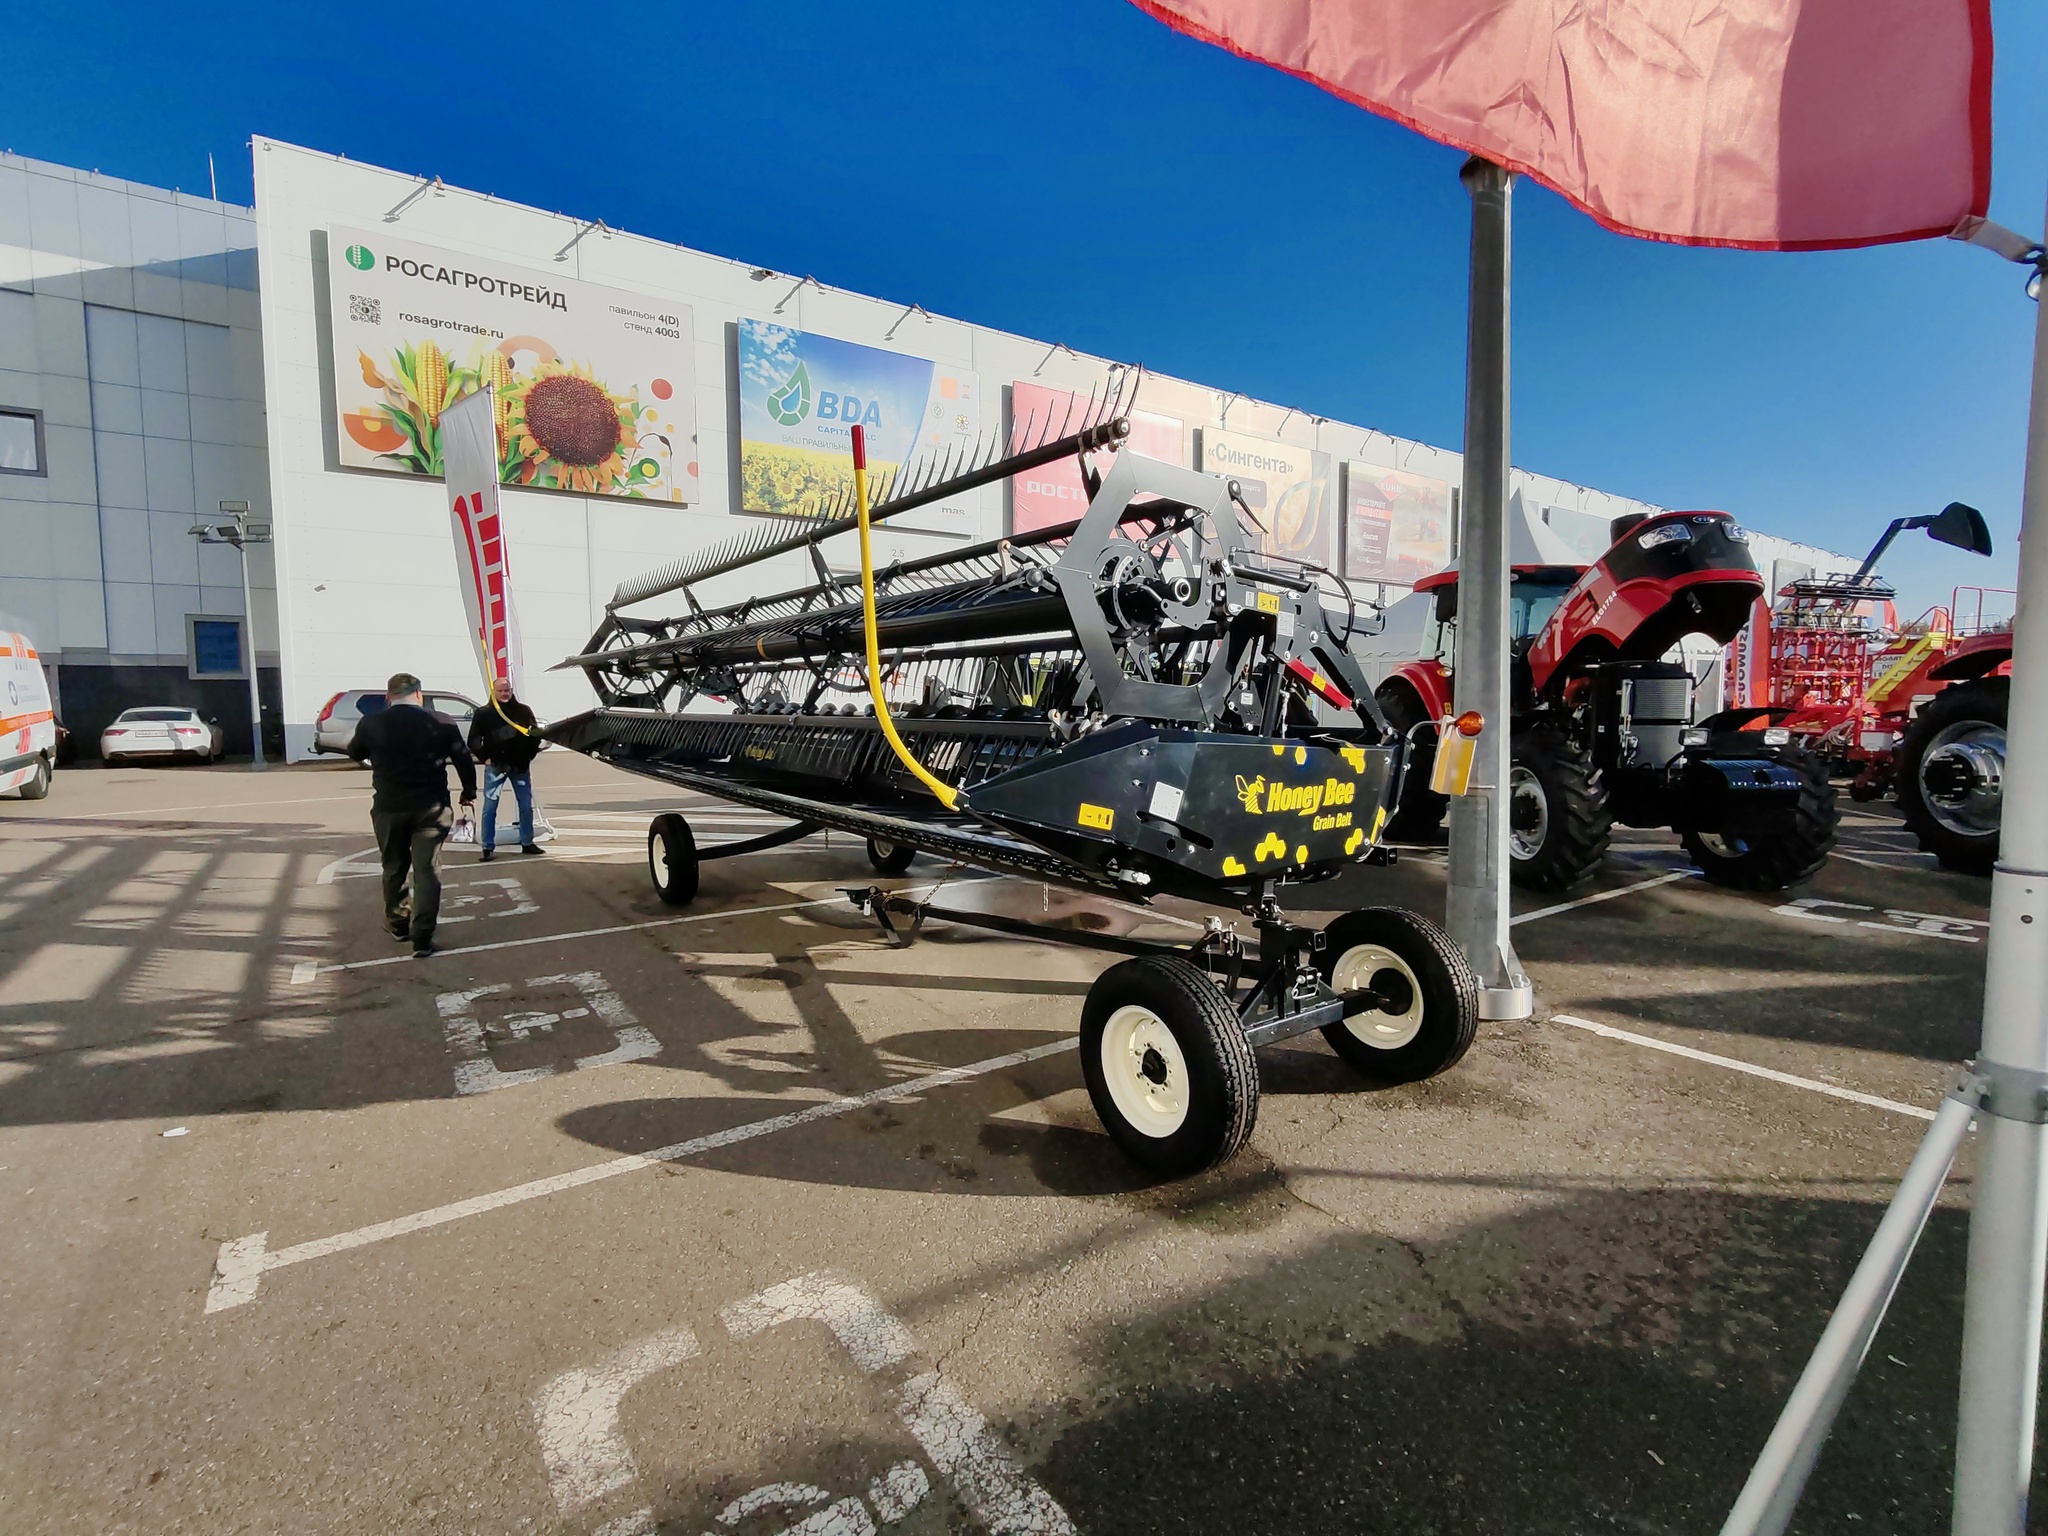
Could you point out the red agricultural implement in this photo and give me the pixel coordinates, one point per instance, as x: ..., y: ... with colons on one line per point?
x: 1919, y: 710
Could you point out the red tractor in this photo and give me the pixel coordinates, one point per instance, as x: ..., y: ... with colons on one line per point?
x: 1603, y: 729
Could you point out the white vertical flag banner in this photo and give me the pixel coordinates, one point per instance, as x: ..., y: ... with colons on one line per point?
x: 469, y: 456
x: 483, y: 566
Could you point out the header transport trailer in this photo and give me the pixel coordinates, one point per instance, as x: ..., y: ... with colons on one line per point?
x: 1136, y: 703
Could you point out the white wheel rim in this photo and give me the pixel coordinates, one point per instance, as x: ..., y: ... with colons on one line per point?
x: 1526, y: 803
x: 1145, y: 1071
x: 884, y: 849
x: 1383, y: 1031
x: 657, y: 859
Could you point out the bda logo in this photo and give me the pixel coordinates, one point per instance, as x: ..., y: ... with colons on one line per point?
x: 792, y: 403
x: 360, y: 257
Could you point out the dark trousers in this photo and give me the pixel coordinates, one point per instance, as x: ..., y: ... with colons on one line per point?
x: 409, y: 842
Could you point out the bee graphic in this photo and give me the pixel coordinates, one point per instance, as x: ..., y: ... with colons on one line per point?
x: 1250, y: 791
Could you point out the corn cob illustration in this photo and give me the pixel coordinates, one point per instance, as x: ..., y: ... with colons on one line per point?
x: 431, y: 376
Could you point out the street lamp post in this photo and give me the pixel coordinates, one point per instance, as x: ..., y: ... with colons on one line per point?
x: 238, y: 528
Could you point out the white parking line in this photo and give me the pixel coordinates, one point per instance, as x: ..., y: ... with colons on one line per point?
x: 243, y: 1261
x: 1587, y: 901
x: 1673, y: 1048
x: 240, y: 805
x: 301, y: 975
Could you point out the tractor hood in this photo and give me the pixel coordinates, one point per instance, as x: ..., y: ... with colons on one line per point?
x: 1673, y: 575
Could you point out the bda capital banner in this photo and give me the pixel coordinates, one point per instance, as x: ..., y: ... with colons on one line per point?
x: 800, y: 393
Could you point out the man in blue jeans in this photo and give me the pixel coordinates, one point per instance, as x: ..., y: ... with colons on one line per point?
x: 504, y: 737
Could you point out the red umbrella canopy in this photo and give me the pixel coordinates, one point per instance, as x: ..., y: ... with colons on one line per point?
x: 1762, y: 124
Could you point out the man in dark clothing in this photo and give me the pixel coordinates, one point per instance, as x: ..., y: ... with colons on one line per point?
x: 409, y: 751
x: 504, y: 737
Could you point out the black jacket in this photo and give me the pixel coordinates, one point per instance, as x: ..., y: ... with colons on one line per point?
x: 409, y: 751
x: 492, y: 741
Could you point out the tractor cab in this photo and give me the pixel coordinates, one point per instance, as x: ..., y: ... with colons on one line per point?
x: 1534, y: 592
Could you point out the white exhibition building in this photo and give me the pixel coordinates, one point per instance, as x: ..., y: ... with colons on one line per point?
x: 161, y: 354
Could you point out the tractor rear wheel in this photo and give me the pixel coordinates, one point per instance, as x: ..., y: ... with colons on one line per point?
x: 1421, y: 810
x: 1558, y: 820
x: 1790, y: 848
x: 1951, y: 774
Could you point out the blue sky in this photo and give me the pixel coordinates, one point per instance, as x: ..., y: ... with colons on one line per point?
x: 1072, y: 169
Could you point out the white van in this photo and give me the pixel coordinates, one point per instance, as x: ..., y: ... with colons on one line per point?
x: 28, y: 727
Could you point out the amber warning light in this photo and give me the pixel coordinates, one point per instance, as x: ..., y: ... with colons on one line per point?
x: 1456, y: 742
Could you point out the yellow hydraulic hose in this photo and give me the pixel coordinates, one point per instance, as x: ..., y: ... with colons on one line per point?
x: 948, y: 797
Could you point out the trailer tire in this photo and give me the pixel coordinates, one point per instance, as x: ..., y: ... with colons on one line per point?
x: 1792, y: 851
x: 1559, y: 823
x: 889, y: 858
x: 1171, y: 1075
x: 672, y: 860
x: 1420, y: 811
x: 1436, y: 1027
x: 1961, y: 834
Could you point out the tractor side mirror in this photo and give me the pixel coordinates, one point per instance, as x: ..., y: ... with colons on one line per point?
x: 1961, y: 526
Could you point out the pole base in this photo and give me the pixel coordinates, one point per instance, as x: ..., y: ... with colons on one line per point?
x: 1507, y: 1005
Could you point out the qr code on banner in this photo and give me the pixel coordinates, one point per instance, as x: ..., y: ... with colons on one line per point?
x: 370, y: 311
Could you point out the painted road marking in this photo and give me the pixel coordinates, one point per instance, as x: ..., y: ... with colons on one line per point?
x: 953, y: 1434
x: 581, y: 1444
x: 588, y: 1459
x: 166, y: 810
x: 468, y: 1036
x: 1918, y: 925
x: 509, y: 890
x: 1673, y: 1048
x: 1587, y: 901
x: 584, y: 933
x: 243, y: 1261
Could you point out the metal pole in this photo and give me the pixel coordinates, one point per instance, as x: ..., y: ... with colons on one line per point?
x: 1476, y: 908
x: 1765, y: 1505
x: 255, y: 697
x: 2009, y: 1212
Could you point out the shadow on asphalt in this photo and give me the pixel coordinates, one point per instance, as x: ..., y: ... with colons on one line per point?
x: 1611, y: 1362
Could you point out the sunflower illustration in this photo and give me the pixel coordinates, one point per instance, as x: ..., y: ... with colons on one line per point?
x: 565, y: 431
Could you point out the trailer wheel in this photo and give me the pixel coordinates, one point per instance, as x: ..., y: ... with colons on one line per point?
x: 1787, y: 850
x: 889, y: 858
x: 1558, y: 820
x: 1951, y: 774
x: 1420, y: 811
x: 1168, y: 1067
x: 672, y: 860
x: 1431, y: 1011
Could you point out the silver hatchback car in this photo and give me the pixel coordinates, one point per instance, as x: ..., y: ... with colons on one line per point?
x: 336, y: 725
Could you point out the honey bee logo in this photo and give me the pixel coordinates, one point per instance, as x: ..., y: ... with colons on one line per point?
x: 1251, y: 791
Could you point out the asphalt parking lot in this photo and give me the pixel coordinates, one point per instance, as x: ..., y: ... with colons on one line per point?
x: 615, y: 1218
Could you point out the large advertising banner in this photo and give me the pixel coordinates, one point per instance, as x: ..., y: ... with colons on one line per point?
x: 799, y: 394
x: 1287, y: 489
x: 1053, y: 493
x: 595, y: 388
x: 1397, y: 526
